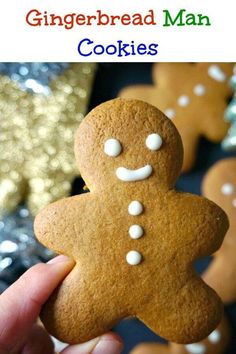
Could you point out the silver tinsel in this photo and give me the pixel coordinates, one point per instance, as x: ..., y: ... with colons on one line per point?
x: 19, y: 249
x: 41, y: 105
x: 33, y: 77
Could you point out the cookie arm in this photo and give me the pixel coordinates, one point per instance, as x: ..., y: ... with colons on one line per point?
x: 212, y: 227
x: 55, y: 225
x: 200, y: 224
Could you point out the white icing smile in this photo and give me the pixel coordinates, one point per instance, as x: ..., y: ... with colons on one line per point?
x: 127, y: 175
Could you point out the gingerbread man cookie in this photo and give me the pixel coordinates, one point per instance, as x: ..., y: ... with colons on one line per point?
x: 133, y: 237
x: 219, y: 185
x: 194, y: 96
x: 216, y: 343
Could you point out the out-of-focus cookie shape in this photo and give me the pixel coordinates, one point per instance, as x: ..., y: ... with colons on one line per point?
x: 229, y: 142
x: 216, y: 343
x: 194, y: 96
x: 37, y: 132
x: 133, y: 237
x: 219, y: 185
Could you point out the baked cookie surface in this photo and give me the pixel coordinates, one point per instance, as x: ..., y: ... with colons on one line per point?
x: 216, y: 343
x: 133, y: 237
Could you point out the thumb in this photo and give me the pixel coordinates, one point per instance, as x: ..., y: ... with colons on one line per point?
x: 109, y: 343
x: 21, y: 303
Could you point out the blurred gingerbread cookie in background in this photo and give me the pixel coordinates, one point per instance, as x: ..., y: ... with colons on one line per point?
x: 216, y: 343
x: 219, y: 185
x: 194, y: 96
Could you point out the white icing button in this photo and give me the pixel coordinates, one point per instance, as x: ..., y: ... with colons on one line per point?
x: 154, y: 141
x: 112, y: 147
x: 183, y: 100
x: 170, y: 113
x: 127, y: 175
x: 199, y: 90
x: 135, y: 231
x: 135, y: 208
x: 133, y: 257
x: 215, y: 336
x: 196, y: 348
x: 216, y: 73
x: 234, y: 202
x: 227, y: 189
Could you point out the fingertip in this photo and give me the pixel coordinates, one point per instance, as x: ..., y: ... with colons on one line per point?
x: 112, y: 336
x: 109, y: 343
x: 61, y: 259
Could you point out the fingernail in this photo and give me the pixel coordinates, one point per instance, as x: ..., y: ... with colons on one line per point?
x: 107, y: 345
x: 60, y: 259
x: 87, y: 347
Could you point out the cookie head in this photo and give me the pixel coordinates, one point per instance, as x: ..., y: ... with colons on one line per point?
x: 122, y: 142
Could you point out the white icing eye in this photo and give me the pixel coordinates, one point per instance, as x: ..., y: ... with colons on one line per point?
x: 215, y: 336
x: 199, y: 90
x: 234, y: 203
x: 133, y: 257
x: 183, y: 100
x: 216, y: 73
x: 154, y: 142
x: 227, y: 189
x: 112, y: 147
x: 170, y: 113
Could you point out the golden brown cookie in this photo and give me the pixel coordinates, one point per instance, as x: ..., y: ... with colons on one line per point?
x: 220, y: 186
x: 194, y: 96
x: 133, y: 237
x: 216, y: 343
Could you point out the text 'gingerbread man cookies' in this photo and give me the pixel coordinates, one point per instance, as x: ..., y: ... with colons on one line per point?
x: 133, y: 237
x: 194, y: 96
x: 220, y: 186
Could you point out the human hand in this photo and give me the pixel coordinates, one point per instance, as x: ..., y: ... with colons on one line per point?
x: 21, y: 304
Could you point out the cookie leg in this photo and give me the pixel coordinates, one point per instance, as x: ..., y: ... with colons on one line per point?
x: 216, y: 343
x: 79, y: 311
x: 186, y: 316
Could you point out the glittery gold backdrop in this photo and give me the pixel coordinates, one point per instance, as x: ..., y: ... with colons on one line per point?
x: 36, y: 137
